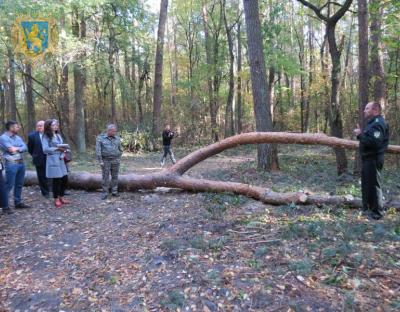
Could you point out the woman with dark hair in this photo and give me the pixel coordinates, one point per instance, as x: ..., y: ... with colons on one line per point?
x: 56, y: 168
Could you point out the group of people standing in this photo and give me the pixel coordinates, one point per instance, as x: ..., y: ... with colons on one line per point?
x: 48, y: 152
x: 50, y: 157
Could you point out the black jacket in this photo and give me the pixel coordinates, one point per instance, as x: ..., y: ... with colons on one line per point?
x: 374, y: 139
x: 167, y: 136
x: 35, y: 149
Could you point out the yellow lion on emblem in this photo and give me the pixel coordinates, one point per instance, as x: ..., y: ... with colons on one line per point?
x: 36, y: 42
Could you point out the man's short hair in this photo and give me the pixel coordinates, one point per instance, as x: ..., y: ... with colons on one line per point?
x: 10, y: 123
x: 111, y: 126
x: 377, y: 106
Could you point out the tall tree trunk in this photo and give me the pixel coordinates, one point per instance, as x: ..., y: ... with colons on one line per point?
x: 302, y: 60
x: 335, y: 115
x: 125, y: 83
x: 12, y: 104
x: 363, y: 73
x: 377, y: 73
x: 229, y: 123
x: 334, y: 112
x: 64, y: 91
x: 30, y: 106
x: 239, y: 109
x: 144, y: 76
x: 211, y: 59
x: 112, y: 52
x: 273, y: 151
x: 133, y: 83
x: 2, y: 104
x: 172, y: 61
x: 311, y: 72
x: 262, y: 106
x: 79, y: 31
x: 158, y: 71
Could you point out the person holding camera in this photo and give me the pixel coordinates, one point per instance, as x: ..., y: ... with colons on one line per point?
x: 167, y: 137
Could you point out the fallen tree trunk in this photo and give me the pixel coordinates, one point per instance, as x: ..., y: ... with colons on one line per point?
x: 173, y: 178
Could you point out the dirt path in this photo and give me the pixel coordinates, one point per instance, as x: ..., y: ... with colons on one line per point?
x: 170, y: 251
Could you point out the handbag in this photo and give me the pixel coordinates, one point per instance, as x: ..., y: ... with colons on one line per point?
x: 67, y: 156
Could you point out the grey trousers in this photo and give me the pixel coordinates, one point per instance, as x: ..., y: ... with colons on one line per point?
x: 110, y: 167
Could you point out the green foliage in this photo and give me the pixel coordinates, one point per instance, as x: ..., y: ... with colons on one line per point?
x: 174, y: 301
x: 137, y: 141
x: 303, y: 267
x: 199, y: 243
x: 219, y: 203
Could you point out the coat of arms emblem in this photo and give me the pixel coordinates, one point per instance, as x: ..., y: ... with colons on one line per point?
x: 34, y: 37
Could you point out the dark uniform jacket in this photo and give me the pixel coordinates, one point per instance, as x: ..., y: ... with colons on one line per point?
x: 374, y: 139
x: 167, y: 136
x: 36, y: 150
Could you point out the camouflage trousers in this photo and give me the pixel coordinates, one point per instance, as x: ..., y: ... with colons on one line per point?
x: 110, y: 168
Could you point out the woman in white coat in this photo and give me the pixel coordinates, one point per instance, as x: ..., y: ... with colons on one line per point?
x: 56, y: 168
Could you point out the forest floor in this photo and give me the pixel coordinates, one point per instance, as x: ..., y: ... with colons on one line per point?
x: 168, y: 250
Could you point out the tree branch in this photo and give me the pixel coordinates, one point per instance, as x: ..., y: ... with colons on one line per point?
x: 315, y: 9
x: 173, y: 178
x: 339, y: 14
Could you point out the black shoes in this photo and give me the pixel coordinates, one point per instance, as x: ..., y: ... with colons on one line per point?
x: 17, y: 206
x: 22, y: 206
x: 104, y: 196
x: 372, y: 215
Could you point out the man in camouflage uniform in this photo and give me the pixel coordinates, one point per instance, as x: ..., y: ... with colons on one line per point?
x: 108, y: 154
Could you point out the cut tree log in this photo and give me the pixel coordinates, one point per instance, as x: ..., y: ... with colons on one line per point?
x: 173, y: 178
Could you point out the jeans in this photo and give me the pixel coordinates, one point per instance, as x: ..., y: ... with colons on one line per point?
x: 3, y: 192
x: 15, y: 176
x: 168, y: 151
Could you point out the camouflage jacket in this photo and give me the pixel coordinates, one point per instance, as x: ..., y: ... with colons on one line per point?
x: 108, y: 147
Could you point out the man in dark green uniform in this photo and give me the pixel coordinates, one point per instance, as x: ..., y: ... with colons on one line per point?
x: 374, y: 140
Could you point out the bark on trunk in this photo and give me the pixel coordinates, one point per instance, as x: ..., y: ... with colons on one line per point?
x: 334, y: 112
x: 12, y: 104
x: 262, y: 109
x: 239, y: 110
x: 229, y: 125
x: 363, y: 77
x: 212, y: 78
x: 377, y: 71
x: 159, y: 69
x: 79, y: 31
x: 2, y: 102
x: 173, y: 178
x: 30, y: 106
